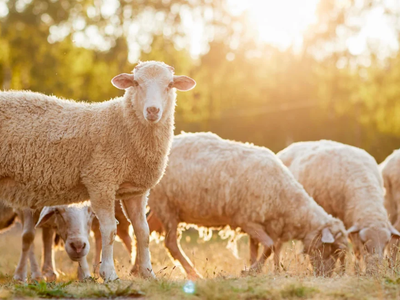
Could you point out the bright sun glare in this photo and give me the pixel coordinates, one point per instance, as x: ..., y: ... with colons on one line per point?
x: 279, y: 22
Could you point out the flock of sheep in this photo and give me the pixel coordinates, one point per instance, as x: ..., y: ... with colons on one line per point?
x: 57, y: 154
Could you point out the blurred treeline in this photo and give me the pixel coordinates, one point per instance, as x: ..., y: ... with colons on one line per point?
x: 246, y: 90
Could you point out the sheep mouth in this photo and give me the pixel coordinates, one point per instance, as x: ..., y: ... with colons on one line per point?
x: 152, y: 119
x: 76, y: 257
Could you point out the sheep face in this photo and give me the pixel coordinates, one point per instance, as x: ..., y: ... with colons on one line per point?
x: 325, y: 247
x: 73, y: 224
x: 152, y: 88
x: 374, y: 240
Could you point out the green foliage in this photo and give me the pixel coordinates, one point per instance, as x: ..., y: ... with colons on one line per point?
x: 43, y: 290
x: 297, y: 291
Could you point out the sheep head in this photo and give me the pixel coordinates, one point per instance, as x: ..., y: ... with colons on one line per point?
x: 151, y: 88
x: 73, y: 224
x: 325, y: 246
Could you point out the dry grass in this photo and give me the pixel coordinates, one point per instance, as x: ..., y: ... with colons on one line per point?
x: 220, y: 269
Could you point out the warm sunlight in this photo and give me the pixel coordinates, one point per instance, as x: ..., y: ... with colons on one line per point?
x: 279, y: 22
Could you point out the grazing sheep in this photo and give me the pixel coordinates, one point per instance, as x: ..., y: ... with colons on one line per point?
x: 346, y: 182
x: 390, y: 170
x: 211, y: 182
x: 55, y: 152
x: 71, y: 222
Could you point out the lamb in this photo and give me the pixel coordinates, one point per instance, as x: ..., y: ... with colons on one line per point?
x: 390, y: 170
x: 55, y: 152
x: 211, y: 182
x: 346, y: 182
x: 70, y: 222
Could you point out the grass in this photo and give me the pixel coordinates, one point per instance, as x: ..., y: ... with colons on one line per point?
x: 218, y: 266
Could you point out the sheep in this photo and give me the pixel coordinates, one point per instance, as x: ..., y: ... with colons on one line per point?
x: 346, y: 182
x: 390, y: 170
x: 73, y: 224
x: 55, y: 151
x: 70, y: 222
x: 212, y: 182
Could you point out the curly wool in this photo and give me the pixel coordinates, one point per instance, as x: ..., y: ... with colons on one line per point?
x: 213, y: 182
x: 390, y: 170
x: 53, y: 150
x: 343, y: 179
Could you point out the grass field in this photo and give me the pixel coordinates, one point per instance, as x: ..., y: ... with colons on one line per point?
x: 219, y: 267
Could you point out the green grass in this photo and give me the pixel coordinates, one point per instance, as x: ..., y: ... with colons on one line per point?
x: 222, y: 273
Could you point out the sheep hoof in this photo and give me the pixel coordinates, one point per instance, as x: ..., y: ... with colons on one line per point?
x: 50, y: 276
x: 253, y: 271
x: 109, y: 275
x: 146, y: 273
x: 37, y: 276
x: 20, y: 278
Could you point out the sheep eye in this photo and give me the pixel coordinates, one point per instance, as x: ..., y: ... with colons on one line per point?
x: 135, y: 83
x: 170, y: 85
x: 56, y: 211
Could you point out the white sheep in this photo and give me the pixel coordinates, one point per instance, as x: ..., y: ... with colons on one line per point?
x: 71, y: 222
x: 390, y: 170
x: 346, y: 182
x: 211, y: 182
x: 55, y: 151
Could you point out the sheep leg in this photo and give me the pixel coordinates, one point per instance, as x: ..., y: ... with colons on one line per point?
x: 103, y: 206
x: 28, y: 236
x: 83, y: 269
x: 277, y: 254
x: 97, y: 239
x: 253, y: 250
x: 393, y: 249
x: 172, y: 244
x: 123, y: 233
x: 48, y: 258
x: 256, y: 232
x: 135, y: 209
x: 256, y: 267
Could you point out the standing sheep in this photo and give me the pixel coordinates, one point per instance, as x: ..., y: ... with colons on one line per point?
x: 212, y: 182
x: 346, y: 182
x: 390, y: 170
x: 55, y: 152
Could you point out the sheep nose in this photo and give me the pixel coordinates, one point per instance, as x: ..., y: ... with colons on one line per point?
x: 152, y: 110
x: 78, y: 246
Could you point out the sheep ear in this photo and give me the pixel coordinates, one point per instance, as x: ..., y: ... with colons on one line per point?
x: 123, y: 81
x: 45, y: 215
x: 353, y: 229
x: 327, y: 236
x: 394, y: 231
x: 183, y: 83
